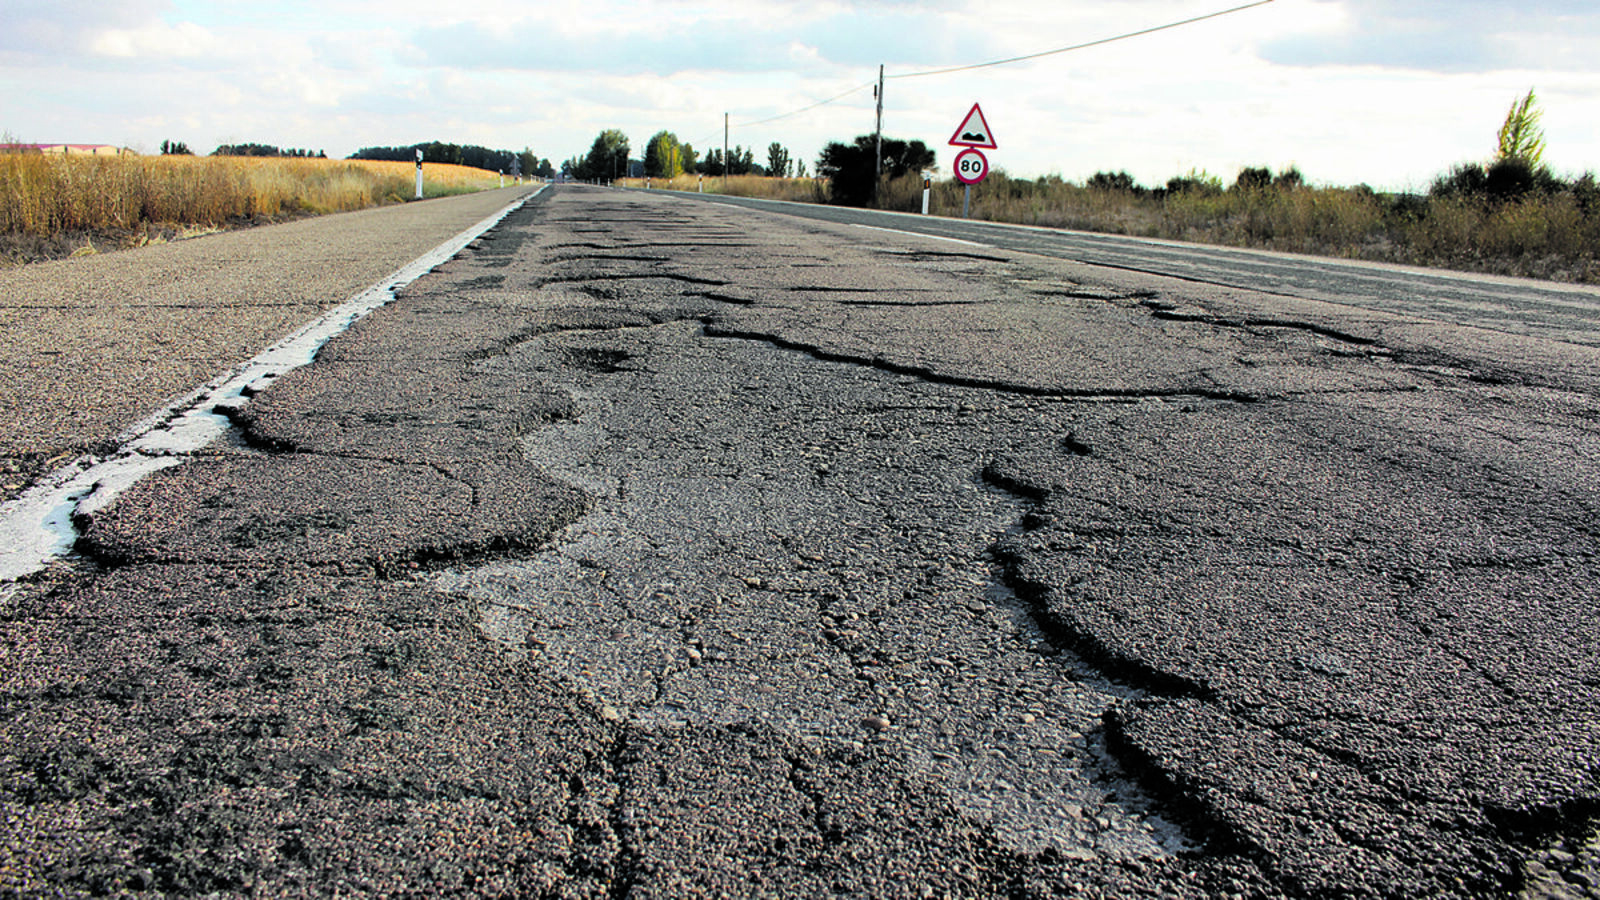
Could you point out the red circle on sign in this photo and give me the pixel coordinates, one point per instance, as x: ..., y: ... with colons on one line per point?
x: 971, y: 166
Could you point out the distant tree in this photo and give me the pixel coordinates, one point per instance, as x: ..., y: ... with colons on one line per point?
x: 852, y: 168
x: 739, y: 162
x: 777, y: 160
x: 690, y: 158
x: 1289, y: 179
x: 799, y: 168
x: 442, y: 152
x: 607, y: 159
x: 1253, y: 179
x: 175, y: 148
x: 1197, y: 181
x: 1114, y: 182
x: 246, y: 150
x: 663, y: 157
x: 1520, y: 137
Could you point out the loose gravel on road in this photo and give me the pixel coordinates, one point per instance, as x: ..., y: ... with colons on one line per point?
x: 656, y: 549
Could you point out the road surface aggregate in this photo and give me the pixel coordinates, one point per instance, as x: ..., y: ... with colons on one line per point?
x: 656, y: 548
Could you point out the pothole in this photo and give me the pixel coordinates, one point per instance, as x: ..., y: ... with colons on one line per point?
x: 799, y: 544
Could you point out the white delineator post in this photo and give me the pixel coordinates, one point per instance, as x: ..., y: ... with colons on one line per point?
x: 927, y: 188
x: 419, y: 174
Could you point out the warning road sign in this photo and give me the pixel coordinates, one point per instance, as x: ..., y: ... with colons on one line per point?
x: 974, y: 132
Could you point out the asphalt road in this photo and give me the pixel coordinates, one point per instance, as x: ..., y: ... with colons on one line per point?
x: 1569, y: 313
x: 653, y: 547
x: 91, y: 345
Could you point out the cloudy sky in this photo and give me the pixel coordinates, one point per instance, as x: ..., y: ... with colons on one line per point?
x: 1387, y: 92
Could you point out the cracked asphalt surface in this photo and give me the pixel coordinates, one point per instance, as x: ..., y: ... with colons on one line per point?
x: 657, y: 548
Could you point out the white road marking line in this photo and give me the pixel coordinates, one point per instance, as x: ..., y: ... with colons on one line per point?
x: 931, y: 237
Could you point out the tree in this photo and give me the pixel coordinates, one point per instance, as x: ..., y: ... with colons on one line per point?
x: 1520, y: 137
x: 175, y: 148
x: 777, y: 160
x: 1253, y: 178
x: 607, y: 159
x: 663, y: 157
x: 689, y: 158
x: 851, y: 168
x: 1114, y: 183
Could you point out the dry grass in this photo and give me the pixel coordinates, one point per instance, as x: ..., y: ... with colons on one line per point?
x: 45, y: 195
x: 1552, y: 236
x: 800, y: 190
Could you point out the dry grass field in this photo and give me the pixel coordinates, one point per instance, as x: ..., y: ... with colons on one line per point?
x: 1553, y: 235
x: 51, y: 205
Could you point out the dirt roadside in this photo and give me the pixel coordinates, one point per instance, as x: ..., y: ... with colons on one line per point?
x: 90, y: 345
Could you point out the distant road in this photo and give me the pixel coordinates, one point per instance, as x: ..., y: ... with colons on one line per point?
x: 1569, y: 313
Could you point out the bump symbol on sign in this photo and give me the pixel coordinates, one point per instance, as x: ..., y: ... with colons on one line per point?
x: 974, y: 131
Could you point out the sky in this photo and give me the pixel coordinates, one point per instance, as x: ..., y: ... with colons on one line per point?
x: 1388, y: 93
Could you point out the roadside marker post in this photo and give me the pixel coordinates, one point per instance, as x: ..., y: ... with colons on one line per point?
x: 419, y: 173
x: 927, y: 188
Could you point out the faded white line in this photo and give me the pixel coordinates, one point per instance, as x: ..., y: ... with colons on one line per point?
x: 931, y: 237
x: 38, y: 526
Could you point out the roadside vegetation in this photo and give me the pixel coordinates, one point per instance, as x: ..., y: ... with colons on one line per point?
x: 55, y: 205
x: 1508, y: 215
x: 798, y: 190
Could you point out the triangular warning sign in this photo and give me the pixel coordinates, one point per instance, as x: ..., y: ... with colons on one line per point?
x: 974, y: 132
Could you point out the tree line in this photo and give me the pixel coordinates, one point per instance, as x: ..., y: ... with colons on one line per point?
x: 852, y: 168
x: 610, y: 157
x: 508, y: 161
x: 179, y: 148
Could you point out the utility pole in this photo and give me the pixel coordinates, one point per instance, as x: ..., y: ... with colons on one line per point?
x: 725, y: 153
x: 878, y: 171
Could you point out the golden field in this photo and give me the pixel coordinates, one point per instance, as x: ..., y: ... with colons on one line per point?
x: 47, y: 194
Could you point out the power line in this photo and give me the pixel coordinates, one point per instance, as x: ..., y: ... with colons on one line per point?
x: 1109, y: 40
x: 859, y: 87
x: 1014, y: 59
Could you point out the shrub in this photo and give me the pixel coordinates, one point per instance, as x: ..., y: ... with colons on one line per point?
x: 852, y: 168
x: 1117, y: 182
x: 1253, y: 179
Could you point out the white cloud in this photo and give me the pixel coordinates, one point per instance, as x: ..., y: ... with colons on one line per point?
x: 1316, y: 83
x: 158, y: 41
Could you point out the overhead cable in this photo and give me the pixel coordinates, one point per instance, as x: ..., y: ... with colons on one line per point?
x: 1109, y: 40
x: 1014, y: 59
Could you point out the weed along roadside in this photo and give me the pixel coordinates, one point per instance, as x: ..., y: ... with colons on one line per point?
x: 53, y: 205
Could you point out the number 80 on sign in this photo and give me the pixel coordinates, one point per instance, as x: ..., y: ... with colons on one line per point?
x: 971, y: 166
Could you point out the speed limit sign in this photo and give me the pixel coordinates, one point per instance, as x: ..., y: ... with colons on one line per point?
x: 971, y: 166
